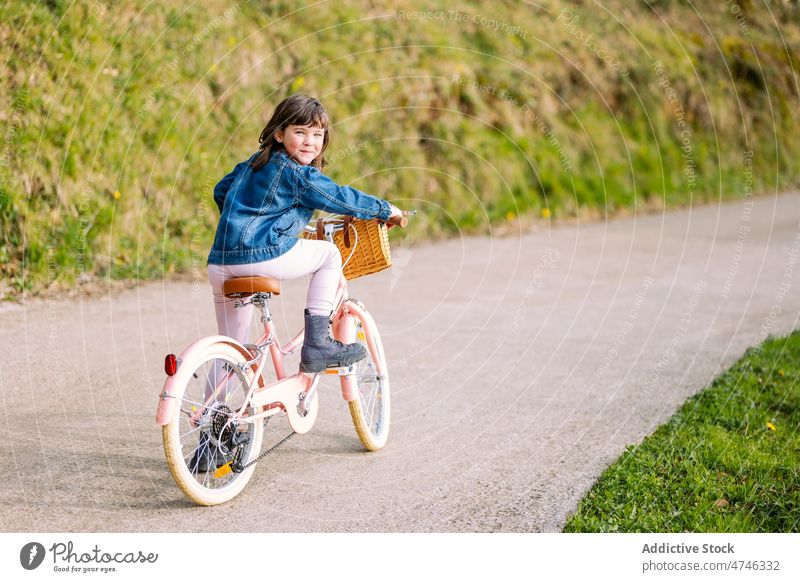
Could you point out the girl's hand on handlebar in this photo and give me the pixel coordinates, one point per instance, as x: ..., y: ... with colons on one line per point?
x: 396, y: 218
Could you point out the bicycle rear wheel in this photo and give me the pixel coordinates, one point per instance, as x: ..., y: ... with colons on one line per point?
x: 203, y: 433
x: 370, y: 411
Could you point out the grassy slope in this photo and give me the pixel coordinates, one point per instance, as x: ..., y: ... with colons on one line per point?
x: 728, y: 461
x: 118, y: 118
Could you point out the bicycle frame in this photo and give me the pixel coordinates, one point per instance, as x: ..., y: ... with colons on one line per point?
x: 284, y: 394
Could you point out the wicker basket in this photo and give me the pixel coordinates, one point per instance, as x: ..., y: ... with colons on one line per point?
x: 371, y: 241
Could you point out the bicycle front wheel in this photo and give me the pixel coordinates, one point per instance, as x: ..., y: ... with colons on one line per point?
x: 204, y: 433
x: 370, y: 410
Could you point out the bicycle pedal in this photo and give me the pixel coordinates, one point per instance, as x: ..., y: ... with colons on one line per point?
x: 223, y: 470
x: 341, y: 371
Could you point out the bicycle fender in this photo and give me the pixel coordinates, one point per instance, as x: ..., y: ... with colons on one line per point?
x: 167, y: 404
x: 345, y: 332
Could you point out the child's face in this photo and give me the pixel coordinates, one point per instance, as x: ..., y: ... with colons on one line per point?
x: 302, y: 142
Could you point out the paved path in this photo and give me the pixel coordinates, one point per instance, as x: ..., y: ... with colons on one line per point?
x: 521, y: 367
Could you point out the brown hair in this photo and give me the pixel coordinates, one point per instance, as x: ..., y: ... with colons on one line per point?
x: 294, y: 110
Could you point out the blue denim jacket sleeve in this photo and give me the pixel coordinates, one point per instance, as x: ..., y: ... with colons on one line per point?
x: 222, y: 187
x: 316, y: 190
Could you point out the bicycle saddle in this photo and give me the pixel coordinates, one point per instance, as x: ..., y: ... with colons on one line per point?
x: 244, y: 286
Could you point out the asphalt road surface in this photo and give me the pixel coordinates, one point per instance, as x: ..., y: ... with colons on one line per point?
x: 521, y: 368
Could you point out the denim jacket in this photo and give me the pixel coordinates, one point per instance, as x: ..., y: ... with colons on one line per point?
x: 263, y: 211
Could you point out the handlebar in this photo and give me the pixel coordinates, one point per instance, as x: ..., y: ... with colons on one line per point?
x: 401, y: 221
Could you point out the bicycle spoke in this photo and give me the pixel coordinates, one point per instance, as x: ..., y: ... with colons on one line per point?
x: 185, y: 434
x: 191, y: 452
x: 372, y: 410
x: 207, y: 380
x: 369, y: 388
x: 194, y: 402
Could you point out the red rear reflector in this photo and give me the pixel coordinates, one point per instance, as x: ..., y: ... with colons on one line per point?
x: 170, y: 364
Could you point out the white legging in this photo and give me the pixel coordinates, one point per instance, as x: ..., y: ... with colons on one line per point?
x: 317, y: 258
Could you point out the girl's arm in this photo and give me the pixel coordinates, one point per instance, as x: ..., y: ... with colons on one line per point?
x: 222, y: 187
x: 318, y: 191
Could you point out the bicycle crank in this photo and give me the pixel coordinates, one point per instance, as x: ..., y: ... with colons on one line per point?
x: 236, y: 465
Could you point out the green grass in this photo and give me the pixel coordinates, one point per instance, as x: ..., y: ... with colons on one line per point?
x: 117, y: 118
x: 728, y: 461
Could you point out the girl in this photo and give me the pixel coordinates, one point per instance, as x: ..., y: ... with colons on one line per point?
x: 264, y: 204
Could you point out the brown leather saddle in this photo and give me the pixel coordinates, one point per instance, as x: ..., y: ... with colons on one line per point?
x: 246, y: 286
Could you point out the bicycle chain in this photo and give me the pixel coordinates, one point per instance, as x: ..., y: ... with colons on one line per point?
x: 265, y: 453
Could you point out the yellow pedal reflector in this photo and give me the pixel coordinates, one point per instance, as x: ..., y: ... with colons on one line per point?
x: 223, y: 470
x: 194, y: 408
x: 361, y: 336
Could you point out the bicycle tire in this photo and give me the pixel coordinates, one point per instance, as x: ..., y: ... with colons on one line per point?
x: 371, y: 410
x: 179, y: 434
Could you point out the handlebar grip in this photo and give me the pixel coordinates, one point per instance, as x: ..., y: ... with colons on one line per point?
x: 400, y: 221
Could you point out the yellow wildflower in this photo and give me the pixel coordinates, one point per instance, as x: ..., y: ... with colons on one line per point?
x: 297, y: 83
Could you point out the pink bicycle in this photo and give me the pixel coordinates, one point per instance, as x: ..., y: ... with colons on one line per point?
x: 215, y: 402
